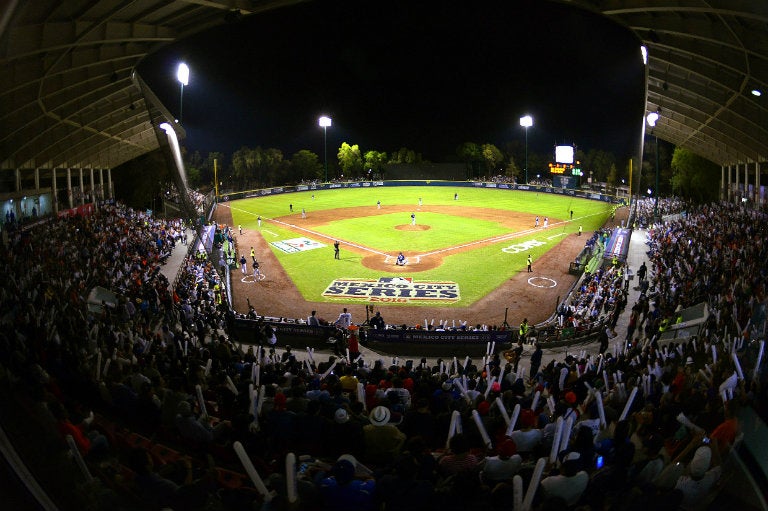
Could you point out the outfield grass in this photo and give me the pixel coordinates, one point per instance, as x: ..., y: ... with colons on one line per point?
x: 476, y: 271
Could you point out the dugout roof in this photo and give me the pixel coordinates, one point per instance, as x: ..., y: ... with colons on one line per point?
x: 69, y: 96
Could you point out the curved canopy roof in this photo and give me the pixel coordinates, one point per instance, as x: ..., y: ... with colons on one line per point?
x: 705, y: 57
x: 69, y: 96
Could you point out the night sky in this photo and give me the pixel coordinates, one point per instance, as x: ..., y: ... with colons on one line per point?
x: 423, y: 75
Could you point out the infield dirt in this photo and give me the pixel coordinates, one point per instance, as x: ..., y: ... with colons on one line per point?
x: 525, y: 295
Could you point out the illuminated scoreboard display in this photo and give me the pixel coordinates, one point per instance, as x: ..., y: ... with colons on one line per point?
x: 565, y: 163
x: 560, y: 168
x: 568, y: 169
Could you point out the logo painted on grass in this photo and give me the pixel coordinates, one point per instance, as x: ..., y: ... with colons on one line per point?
x: 522, y: 247
x: 393, y: 290
x: 296, y: 245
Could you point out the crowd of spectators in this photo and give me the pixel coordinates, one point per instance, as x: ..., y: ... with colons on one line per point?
x: 201, y: 202
x: 646, y: 208
x: 641, y: 425
x: 540, y: 181
x: 499, y: 178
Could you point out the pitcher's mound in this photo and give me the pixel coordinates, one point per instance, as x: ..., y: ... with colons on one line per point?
x: 409, y: 227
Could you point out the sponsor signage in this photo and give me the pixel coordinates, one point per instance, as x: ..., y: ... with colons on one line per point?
x: 618, y: 244
x: 460, y: 336
x: 393, y: 290
x: 82, y: 210
x: 295, y: 245
x: 523, y: 247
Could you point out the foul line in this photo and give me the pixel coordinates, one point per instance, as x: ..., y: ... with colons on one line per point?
x: 505, y: 237
x: 314, y: 233
x: 493, y: 239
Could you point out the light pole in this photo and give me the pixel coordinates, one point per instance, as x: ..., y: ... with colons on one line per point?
x: 652, y: 118
x: 324, y: 122
x: 182, y: 74
x: 526, y: 122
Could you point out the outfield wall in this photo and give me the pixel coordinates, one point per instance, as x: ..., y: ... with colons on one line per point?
x: 277, y: 190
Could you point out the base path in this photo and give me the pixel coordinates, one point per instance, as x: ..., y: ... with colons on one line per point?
x: 535, y: 299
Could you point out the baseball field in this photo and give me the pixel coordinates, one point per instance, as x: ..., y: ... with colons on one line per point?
x: 461, y: 246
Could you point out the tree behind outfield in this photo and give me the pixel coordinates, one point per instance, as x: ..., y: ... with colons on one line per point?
x: 694, y: 177
x: 405, y: 156
x: 511, y: 169
x: 492, y: 158
x: 350, y: 160
x: 305, y: 165
x: 375, y: 161
x: 470, y: 154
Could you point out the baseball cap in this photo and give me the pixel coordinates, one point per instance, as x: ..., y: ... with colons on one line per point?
x: 341, y: 416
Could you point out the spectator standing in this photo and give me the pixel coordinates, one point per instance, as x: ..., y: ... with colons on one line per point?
x: 341, y: 491
x: 536, y: 360
x: 459, y: 461
x: 345, y: 319
x: 570, y: 484
x: 353, y: 345
x: 642, y: 272
x: 403, y: 489
x: 383, y: 441
x: 527, y: 438
x: 703, y: 472
x: 502, y: 467
x: 377, y: 322
x: 523, y: 331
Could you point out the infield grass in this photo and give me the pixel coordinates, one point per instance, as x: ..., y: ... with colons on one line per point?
x: 477, y: 270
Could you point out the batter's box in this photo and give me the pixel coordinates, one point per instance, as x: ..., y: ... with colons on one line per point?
x: 409, y: 261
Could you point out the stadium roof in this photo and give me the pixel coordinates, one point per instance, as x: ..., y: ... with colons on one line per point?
x: 69, y: 96
x: 705, y: 57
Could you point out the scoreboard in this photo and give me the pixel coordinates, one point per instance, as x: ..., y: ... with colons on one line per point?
x: 569, y: 169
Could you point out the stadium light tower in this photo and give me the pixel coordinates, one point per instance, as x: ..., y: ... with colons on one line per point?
x: 324, y: 122
x: 651, y: 119
x: 182, y: 74
x: 526, y: 122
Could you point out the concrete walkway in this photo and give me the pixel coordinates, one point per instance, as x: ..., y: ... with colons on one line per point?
x: 172, y: 265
